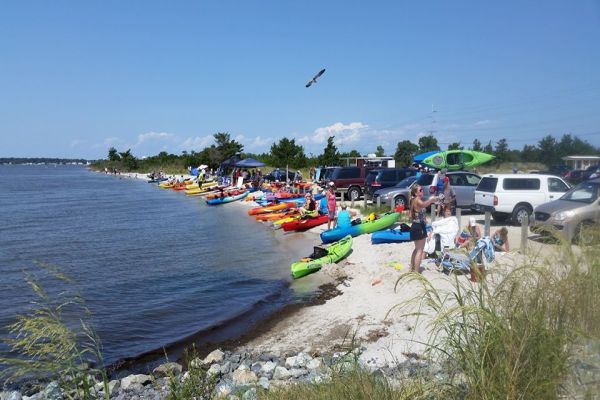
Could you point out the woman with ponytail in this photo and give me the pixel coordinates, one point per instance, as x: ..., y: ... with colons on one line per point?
x: 417, y: 209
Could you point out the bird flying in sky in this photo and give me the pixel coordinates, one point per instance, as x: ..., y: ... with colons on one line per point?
x: 314, y: 79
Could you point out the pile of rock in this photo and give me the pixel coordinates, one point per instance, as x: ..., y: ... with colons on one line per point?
x: 237, y: 375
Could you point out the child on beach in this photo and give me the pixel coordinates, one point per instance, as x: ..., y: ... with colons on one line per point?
x: 500, y: 239
x: 469, y: 235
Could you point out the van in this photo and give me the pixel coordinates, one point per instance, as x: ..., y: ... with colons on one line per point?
x: 382, y: 178
x: 514, y: 196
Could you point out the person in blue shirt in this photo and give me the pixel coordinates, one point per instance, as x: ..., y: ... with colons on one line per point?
x: 323, y: 203
x: 344, y: 217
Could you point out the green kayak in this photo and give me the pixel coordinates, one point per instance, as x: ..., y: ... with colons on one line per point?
x: 455, y: 160
x: 320, y: 256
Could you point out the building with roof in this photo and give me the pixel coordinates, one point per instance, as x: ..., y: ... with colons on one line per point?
x: 581, y: 162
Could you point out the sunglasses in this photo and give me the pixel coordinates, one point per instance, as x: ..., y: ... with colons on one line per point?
x: 420, y: 190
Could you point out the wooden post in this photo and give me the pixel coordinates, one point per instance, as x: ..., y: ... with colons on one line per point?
x: 486, y: 227
x: 524, y: 233
x: 458, y: 216
x: 378, y: 202
x: 433, y: 212
x: 342, y: 197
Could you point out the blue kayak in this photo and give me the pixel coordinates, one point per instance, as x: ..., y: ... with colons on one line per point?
x: 390, y: 236
x: 228, y: 199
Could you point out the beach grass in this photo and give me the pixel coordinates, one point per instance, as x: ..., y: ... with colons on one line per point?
x: 513, y: 335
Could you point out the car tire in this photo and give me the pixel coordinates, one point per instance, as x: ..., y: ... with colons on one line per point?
x: 519, y: 213
x: 400, y: 200
x: 353, y: 193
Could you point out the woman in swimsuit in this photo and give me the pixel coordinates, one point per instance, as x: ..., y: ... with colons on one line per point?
x: 418, y: 233
x: 500, y: 239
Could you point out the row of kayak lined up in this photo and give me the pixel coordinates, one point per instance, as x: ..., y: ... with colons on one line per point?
x: 282, y: 211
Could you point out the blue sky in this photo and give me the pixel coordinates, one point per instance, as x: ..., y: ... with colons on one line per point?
x: 77, y: 77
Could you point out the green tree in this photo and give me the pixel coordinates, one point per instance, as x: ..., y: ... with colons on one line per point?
x: 488, y: 148
x: 351, y: 153
x: 128, y: 160
x: 330, y: 156
x: 113, y: 155
x: 287, y: 152
x: 501, y: 150
x: 476, y: 145
x: 455, y: 146
x: 530, y: 153
x: 380, y: 151
x: 405, y: 151
x: 226, y: 146
x: 428, y: 143
x: 548, y: 150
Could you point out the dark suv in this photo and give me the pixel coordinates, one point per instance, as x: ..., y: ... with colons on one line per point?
x: 385, y: 177
x: 349, y: 180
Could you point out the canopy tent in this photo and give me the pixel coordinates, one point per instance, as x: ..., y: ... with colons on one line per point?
x: 249, y: 163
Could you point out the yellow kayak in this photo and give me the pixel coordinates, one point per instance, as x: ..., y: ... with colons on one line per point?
x: 203, y: 189
x: 284, y: 220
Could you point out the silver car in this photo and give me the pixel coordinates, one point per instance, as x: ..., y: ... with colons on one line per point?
x: 464, y: 185
x: 399, y: 194
x: 570, y: 215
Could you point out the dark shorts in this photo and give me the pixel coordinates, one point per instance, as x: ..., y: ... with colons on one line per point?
x: 417, y: 231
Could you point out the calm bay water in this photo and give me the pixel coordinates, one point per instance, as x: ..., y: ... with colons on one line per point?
x: 154, y: 266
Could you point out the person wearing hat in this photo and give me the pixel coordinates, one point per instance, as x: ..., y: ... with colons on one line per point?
x: 469, y: 235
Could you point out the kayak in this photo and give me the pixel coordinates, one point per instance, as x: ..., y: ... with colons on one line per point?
x: 321, y: 256
x: 268, y: 209
x: 196, y: 185
x: 279, y: 215
x: 199, y: 190
x: 384, y: 221
x: 390, y: 236
x: 455, y: 160
x: 228, y: 199
x: 419, y: 158
x: 302, y: 224
x: 277, y: 224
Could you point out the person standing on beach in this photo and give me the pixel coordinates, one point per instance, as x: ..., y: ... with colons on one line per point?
x: 331, y: 206
x: 418, y: 232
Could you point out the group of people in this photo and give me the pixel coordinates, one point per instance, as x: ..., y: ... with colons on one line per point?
x: 418, y: 230
x: 327, y: 206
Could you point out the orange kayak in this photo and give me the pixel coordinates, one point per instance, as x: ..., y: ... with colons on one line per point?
x: 276, y: 216
x: 268, y: 209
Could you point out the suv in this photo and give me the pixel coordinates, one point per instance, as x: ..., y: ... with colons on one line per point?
x: 349, y: 179
x: 515, y: 196
x: 385, y: 177
x: 571, y: 214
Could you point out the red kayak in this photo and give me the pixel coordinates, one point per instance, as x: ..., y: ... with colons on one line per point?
x: 302, y: 224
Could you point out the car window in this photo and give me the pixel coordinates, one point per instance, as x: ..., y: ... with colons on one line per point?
x: 521, y: 184
x: 472, y: 180
x: 585, y: 192
x: 348, y: 173
x: 406, y: 182
x: 456, y: 180
x: 487, y: 184
x: 371, y: 177
x: 388, y: 176
x: 425, y: 180
x: 556, y: 185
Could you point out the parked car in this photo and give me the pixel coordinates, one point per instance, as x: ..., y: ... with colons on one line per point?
x: 464, y: 184
x: 589, y: 171
x: 398, y: 194
x: 569, y: 216
x: 349, y: 180
x: 514, y: 196
x: 385, y: 177
x: 576, y: 176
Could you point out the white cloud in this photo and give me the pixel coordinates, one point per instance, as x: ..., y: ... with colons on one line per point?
x: 259, y: 142
x: 76, y: 142
x: 197, y: 143
x: 344, y: 134
x: 483, y: 122
x: 157, y: 136
x: 109, y: 142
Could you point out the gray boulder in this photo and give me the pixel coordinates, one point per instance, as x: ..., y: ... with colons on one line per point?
x: 243, y: 376
x: 167, y: 369
x: 281, y: 374
x: 52, y: 392
x: 130, y: 381
x: 216, y: 356
x: 250, y: 394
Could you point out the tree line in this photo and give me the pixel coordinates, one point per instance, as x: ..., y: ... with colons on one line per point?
x: 286, y: 152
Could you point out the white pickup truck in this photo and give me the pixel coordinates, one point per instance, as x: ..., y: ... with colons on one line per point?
x: 514, y: 196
